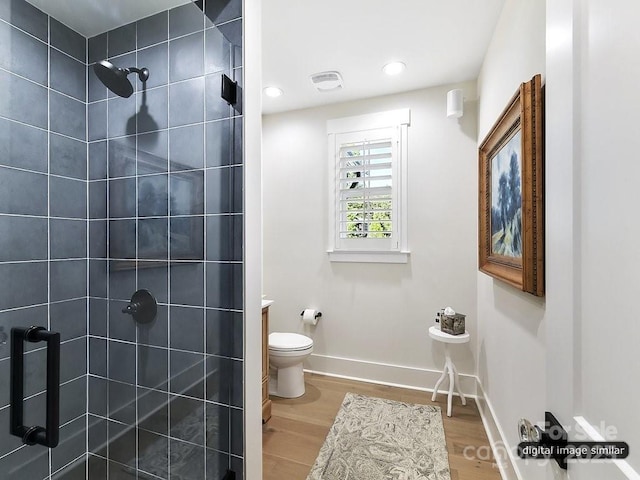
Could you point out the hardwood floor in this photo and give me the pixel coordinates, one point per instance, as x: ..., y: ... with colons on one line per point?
x: 292, y: 438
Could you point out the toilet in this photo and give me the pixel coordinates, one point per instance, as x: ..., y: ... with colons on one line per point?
x: 287, y: 351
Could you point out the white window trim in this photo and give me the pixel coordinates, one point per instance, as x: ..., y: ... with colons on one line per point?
x: 400, y: 119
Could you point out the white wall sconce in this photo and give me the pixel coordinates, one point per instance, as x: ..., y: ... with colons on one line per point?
x: 455, y: 103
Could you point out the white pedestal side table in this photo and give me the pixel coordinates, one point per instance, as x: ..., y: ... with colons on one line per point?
x: 449, y: 367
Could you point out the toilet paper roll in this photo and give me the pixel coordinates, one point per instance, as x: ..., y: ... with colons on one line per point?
x: 310, y: 316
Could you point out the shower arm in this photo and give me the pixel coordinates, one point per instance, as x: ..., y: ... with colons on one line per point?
x: 143, y: 74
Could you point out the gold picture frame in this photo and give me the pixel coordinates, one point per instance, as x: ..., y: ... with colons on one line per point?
x: 511, y: 193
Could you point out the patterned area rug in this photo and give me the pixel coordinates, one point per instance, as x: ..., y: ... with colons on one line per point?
x: 378, y: 439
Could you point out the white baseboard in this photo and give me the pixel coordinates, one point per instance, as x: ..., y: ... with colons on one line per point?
x: 385, y: 374
x: 501, y: 451
x: 424, y: 380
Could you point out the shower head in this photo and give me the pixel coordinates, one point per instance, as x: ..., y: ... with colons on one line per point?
x: 115, y: 78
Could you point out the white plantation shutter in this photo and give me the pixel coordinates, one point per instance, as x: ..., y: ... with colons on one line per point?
x: 368, y: 192
x: 365, y: 189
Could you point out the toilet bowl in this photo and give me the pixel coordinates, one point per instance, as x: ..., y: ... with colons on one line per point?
x: 287, y: 351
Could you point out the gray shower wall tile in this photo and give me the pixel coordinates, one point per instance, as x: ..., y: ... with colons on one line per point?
x: 22, y: 193
x: 68, y: 40
x: 24, y: 317
x: 217, y: 51
x: 185, y: 19
x: 98, y: 161
x: 122, y: 157
x: 122, y: 197
x: 155, y: 59
x: 22, y: 54
x: 96, y: 89
x: 224, y: 285
x: 122, y: 40
x: 97, y: 316
x: 186, y: 57
x: 73, y: 359
x: 152, y: 152
x: 186, y: 238
x: 152, y: 110
x: 186, y: 374
x: 219, y: 12
x: 68, y: 238
x: 26, y: 17
x: 98, y: 199
x: 68, y: 279
x: 122, y: 116
x: 68, y: 157
x: 97, y: 394
x: 97, y: 48
x: 122, y: 363
x: 97, y: 118
x: 67, y: 198
x: 153, y: 191
x: 153, y: 238
x: 187, y: 283
x: 25, y: 102
x: 224, y: 333
x: 153, y: 367
x: 23, y: 146
x: 97, y: 357
x: 98, y: 278
x: 73, y: 400
x: 28, y: 462
x: 122, y: 402
x: 224, y: 190
x: 153, y: 410
x: 186, y: 192
x: 153, y: 29
x: 186, y: 102
x: 187, y: 328
x: 224, y: 237
x: 67, y: 116
x: 98, y: 236
x: 23, y: 284
x: 217, y: 427
x: 186, y: 151
x: 72, y: 444
x: 68, y: 75
x: 232, y: 32
x: 69, y: 318
x: 14, y: 232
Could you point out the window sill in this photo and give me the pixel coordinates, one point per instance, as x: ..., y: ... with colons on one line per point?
x: 368, y: 257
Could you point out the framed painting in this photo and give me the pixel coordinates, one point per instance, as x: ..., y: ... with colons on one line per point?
x: 511, y: 193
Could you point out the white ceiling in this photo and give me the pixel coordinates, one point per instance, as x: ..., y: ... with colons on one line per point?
x: 440, y: 41
x: 92, y: 17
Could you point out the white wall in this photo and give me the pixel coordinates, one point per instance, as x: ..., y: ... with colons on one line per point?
x: 511, y: 345
x: 374, y: 315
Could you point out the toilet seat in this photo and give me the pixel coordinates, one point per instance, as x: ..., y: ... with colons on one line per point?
x: 288, y: 342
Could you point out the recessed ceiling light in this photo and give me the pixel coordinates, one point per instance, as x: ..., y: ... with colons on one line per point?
x: 272, y: 92
x: 394, y: 68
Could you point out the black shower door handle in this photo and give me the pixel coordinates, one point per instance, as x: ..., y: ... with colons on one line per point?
x: 49, y: 435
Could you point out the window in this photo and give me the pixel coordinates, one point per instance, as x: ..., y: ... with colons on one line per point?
x: 367, y: 172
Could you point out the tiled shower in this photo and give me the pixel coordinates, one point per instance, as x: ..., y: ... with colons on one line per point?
x: 101, y: 196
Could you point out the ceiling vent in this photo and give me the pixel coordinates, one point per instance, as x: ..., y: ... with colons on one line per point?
x: 327, y: 81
